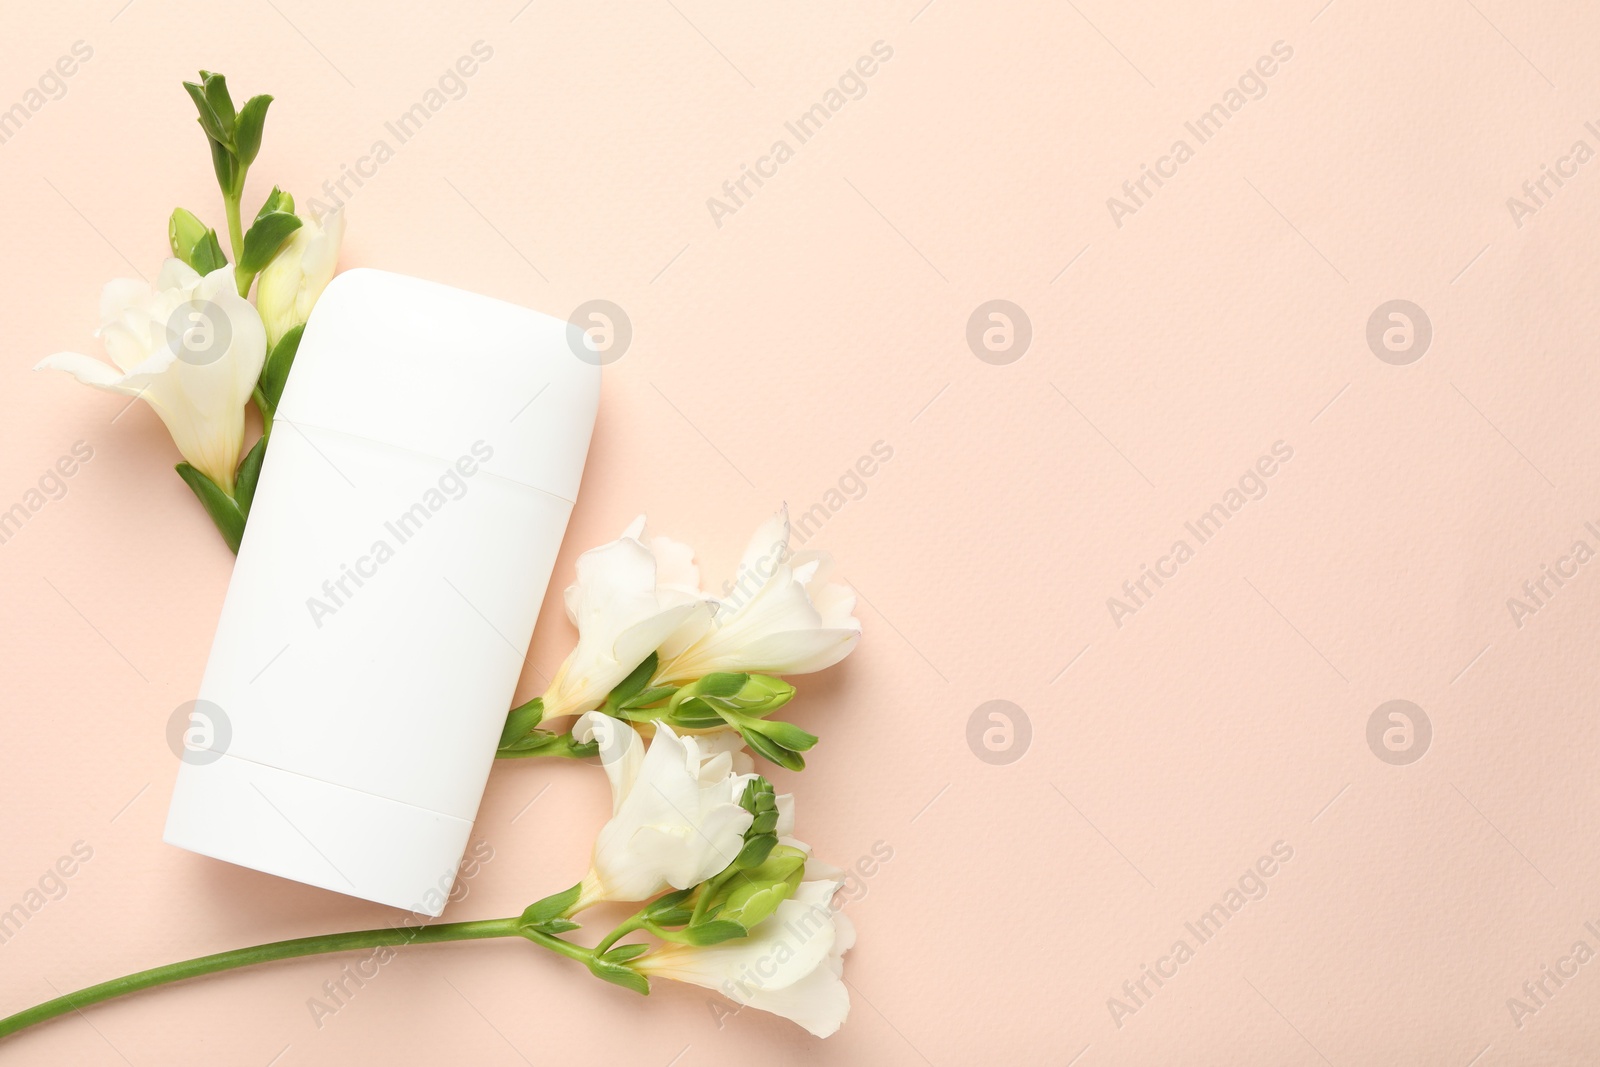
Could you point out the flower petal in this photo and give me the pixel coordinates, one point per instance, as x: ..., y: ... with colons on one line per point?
x: 730, y: 742
x: 780, y: 616
x: 819, y: 1002
x: 621, y: 751
x: 675, y: 824
x: 796, y: 651
x: 794, y: 941
x: 201, y: 402
x: 121, y: 295
x: 89, y: 371
x: 176, y: 274
x: 675, y: 569
x: 768, y: 546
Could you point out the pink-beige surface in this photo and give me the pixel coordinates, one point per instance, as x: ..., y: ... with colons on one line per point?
x: 1188, y: 758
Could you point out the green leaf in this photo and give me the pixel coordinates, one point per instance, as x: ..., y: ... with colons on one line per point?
x: 634, y: 683
x: 521, y: 720
x: 624, y: 953
x: 720, y: 684
x: 222, y: 508
x: 277, y: 200
x: 208, y: 116
x: 714, y: 932
x: 265, y: 236
x: 247, y: 130
x: 275, y: 371
x: 669, y: 910
x: 786, y: 734
x: 580, y: 751
x: 555, y: 926
x: 244, y: 480
x: 216, y: 91
x: 654, y: 695
x: 667, y: 903
x: 755, y: 851
x: 695, y: 714
x: 223, y: 163
x: 771, y: 750
x: 194, y: 242
x: 552, y: 906
x: 207, y: 255
x: 528, y: 744
x: 619, y: 974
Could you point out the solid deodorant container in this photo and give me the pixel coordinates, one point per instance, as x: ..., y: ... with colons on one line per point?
x: 423, y: 462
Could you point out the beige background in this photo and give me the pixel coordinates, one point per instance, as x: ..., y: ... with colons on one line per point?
x: 829, y: 313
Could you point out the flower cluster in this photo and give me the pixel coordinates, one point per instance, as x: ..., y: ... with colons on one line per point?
x: 192, y: 346
x: 653, y: 648
x: 736, y: 902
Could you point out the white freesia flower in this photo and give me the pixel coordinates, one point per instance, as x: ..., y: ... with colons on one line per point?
x: 675, y: 814
x: 291, y: 283
x: 623, y: 612
x: 792, y: 964
x: 192, y: 348
x: 779, y: 617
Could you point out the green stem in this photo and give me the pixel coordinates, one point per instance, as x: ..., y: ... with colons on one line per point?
x: 628, y: 926
x: 704, y: 894
x: 555, y: 944
x: 282, y: 950
x: 266, y: 412
x: 235, y: 225
x: 678, y: 936
x: 242, y: 279
x: 559, y: 745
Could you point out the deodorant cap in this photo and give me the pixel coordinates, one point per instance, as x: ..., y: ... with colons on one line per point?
x: 422, y: 466
x: 424, y: 367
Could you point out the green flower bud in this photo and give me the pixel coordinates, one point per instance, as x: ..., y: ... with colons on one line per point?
x: 277, y: 201
x: 220, y: 101
x: 757, y: 895
x: 184, y: 230
x: 700, y: 704
x: 785, y: 734
x: 297, y: 262
x: 762, y: 693
x: 194, y: 242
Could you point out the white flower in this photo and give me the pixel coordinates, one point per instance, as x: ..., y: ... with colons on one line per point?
x: 675, y: 814
x: 627, y: 600
x: 291, y: 283
x: 192, y: 348
x: 792, y: 964
x: 779, y: 617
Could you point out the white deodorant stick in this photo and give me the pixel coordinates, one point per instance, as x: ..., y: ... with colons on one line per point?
x: 424, y: 459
